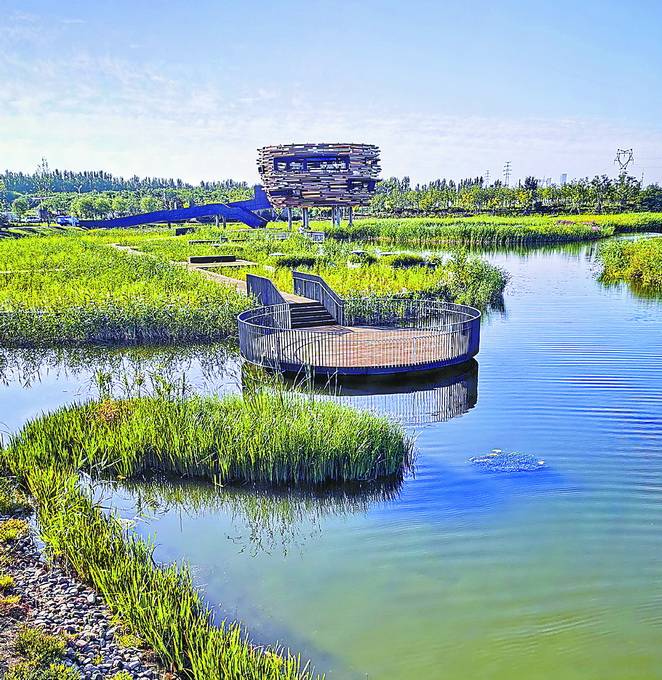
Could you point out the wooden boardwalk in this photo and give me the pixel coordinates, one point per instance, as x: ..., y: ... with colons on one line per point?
x: 346, y: 347
x: 238, y: 284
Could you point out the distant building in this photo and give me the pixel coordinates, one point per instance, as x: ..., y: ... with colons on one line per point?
x: 564, y: 179
x: 319, y: 175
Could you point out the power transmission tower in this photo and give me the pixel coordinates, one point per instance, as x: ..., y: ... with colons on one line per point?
x: 487, y: 178
x: 506, y: 173
x: 623, y: 158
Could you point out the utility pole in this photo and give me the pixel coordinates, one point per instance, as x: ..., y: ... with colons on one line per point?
x: 506, y: 173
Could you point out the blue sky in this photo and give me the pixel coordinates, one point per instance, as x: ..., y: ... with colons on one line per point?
x: 191, y: 89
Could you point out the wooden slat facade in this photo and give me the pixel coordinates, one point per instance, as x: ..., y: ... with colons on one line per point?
x: 319, y: 175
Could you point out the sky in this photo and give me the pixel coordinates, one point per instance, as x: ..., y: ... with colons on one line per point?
x: 446, y: 89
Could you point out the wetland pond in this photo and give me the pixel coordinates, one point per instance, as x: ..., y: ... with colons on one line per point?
x: 458, y: 572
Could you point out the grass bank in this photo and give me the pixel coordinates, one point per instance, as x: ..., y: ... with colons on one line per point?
x: 265, y: 437
x: 459, y: 278
x: 72, y: 289
x: 489, y: 231
x: 638, y: 262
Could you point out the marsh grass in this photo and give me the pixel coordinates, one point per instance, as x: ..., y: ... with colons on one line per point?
x: 71, y: 289
x: 264, y: 438
x: 488, y: 231
x: 271, y: 438
x: 638, y: 262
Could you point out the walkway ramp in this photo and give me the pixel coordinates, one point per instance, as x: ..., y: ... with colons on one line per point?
x: 236, y: 211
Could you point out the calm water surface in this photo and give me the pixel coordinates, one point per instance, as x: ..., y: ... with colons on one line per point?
x: 458, y: 573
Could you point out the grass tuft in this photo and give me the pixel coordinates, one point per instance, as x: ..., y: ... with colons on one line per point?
x: 638, y: 262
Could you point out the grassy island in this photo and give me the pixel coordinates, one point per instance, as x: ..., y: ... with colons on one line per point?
x: 638, y: 262
x: 493, y: 231
x: 272, y: 438
x: 265, y: 437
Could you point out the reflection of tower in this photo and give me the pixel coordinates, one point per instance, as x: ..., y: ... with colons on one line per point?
x: 428, y: 398
x: 506, y: 173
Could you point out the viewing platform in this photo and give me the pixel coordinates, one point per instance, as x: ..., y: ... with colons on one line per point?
x: 354, y: 336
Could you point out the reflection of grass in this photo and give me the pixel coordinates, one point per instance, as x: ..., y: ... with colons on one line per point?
x: 27, y: 365
x: 638, y: 262
x: 272, y: 516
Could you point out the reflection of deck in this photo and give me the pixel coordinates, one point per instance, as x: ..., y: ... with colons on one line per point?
x: 417, y: 399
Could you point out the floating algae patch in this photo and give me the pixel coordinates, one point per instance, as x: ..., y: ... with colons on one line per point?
x: 501, y: 461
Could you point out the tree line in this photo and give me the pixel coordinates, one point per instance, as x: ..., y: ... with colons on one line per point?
x: 100, y: 195
x: 473, y: 195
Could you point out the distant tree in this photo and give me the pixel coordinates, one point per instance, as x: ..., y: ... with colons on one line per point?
x: 599, y: 189
x: 84, y: 206
x: 627, y: 190
x: 102, y: 206
x: 20, y: 206
x: 149, y: 204
x: 119, y: 205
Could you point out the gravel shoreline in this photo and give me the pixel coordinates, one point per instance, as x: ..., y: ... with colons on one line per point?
x: 57, y: 602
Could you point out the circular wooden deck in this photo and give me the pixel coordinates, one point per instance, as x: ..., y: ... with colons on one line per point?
x: 358, y: 349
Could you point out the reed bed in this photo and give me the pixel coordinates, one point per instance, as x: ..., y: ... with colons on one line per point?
x: 269, y: 438
x: 638, y: 262
x: 461, y: 278
x: 70, y: 289
x: 160, y: 603
x: 490, y: 231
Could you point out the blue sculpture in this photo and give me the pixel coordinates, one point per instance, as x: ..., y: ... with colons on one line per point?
x: 237, y: 211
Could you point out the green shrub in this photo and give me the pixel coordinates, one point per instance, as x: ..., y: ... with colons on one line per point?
x: 294, y: 261
x: 362, y: 258
x: 404, y: 260
x: 28, y: 670
x: 37, y: 646
x: 639, y: 262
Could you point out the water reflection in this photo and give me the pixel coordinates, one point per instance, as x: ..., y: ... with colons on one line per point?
x: 414, y: 399
x: 262, y: 519
x: 29, y: 366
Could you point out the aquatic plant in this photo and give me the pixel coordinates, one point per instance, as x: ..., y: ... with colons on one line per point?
x: 485, y: 230
x: 638, y: 262
x: 71, y: 289
x: 476, y: 282
x: 264, y: 437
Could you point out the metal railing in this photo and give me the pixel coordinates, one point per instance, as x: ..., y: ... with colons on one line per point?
x: 264, y: 290
x: 382, y: 335
x: 316, y: 288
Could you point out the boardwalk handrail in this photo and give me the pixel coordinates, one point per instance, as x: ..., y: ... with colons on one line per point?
x: 383, y: 335
x: 316, y: 288
x: 264, y: 290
